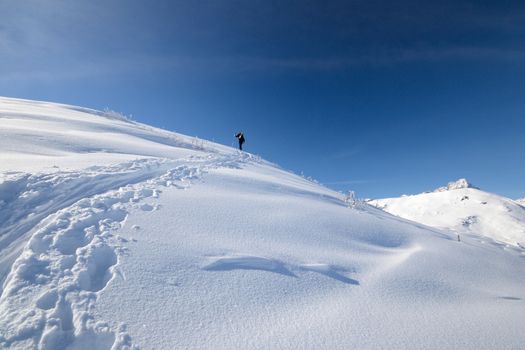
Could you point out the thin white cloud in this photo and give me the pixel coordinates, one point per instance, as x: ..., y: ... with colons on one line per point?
x: 59, y: 40
x: 38, y: 64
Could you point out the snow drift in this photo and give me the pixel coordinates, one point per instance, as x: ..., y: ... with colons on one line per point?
x: 116, y: 235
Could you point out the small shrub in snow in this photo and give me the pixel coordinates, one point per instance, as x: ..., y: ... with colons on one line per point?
x: 353, y: 202
x: 198, y: 143
x: 111, y: 114
x: 309, y: 178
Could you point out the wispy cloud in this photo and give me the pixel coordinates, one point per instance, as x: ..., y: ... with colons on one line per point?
x: 373, y: 58
x: 32, y: 65
x: 61, y: 40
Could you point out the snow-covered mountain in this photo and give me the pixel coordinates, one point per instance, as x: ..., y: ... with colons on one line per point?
x: 464, y: 209
x: 117, y: 235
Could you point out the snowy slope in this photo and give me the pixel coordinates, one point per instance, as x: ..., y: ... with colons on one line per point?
x: 464, y: 209
x: 44, y: 146
x: 116, y: 235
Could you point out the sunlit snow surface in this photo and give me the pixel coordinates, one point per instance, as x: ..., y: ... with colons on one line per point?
x: 117, y: 235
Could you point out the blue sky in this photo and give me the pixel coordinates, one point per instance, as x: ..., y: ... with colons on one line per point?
x: 379, y: 97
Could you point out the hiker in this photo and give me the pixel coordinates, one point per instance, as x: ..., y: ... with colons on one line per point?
x: 240, y: 136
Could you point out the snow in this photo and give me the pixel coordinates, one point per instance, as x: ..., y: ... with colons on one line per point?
x: 64, y: 137
x: 116, y: 235
x: 463, y: 209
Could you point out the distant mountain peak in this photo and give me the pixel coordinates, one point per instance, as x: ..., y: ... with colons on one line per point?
x: 456, y: 185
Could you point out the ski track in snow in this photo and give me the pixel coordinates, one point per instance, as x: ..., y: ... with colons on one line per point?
x: 73, y: 249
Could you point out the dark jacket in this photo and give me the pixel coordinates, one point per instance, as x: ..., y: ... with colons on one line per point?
x: 240, y: 136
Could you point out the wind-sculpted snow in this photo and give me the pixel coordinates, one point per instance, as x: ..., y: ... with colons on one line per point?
x: 335, y: 272
x: 73, y: 252
x: 249, y: 262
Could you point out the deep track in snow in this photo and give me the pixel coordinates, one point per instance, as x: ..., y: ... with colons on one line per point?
x: 66, y: 226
